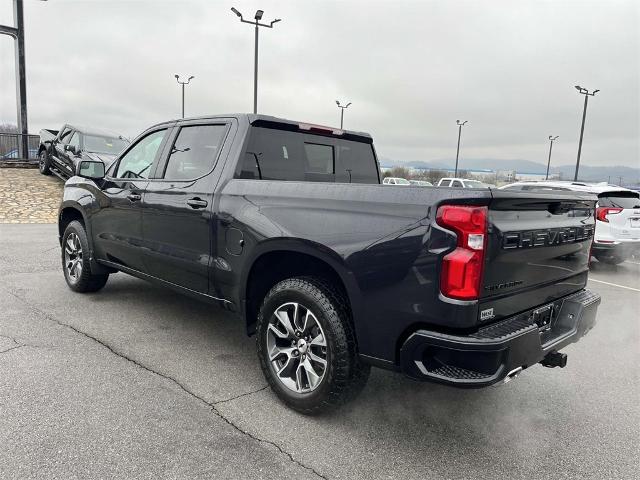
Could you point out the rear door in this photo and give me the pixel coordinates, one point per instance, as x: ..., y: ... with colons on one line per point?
x: 538, y: 250
x: 177, y: 218
x: 623, y: 218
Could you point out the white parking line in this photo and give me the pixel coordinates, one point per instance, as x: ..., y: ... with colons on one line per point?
x: 614, y: 284
x: 629, y: 261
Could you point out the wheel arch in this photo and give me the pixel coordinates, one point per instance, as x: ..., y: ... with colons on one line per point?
x: 276, y: 260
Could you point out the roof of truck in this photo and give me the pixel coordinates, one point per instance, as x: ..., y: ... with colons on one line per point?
x: 100, y: 132
x: 268, y: 120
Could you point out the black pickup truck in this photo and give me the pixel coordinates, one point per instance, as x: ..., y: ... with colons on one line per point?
x: 61, y: 150
x: 287, y: 225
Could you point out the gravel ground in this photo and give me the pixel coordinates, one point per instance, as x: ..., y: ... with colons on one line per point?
x: 138, y: 382
x: 27, y: 196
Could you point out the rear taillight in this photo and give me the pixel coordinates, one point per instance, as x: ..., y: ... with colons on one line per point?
x: 602, y: 212
x: 461, y: 272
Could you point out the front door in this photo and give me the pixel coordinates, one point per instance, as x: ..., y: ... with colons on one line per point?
x: 117, y: 225
x: 177, y: 218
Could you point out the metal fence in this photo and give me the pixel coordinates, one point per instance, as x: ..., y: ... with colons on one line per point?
x: 9, y: 146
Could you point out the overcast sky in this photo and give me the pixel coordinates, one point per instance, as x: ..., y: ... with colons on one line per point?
x: 410, y: 68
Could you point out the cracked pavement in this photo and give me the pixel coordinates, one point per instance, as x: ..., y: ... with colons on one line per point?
x: 136, y: 381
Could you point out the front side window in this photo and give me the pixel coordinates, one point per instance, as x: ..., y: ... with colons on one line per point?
x: 194, y: 152
x: 75, y: 141
x: 66, y: 135
x: 137, y: 162
x: 457, y: 183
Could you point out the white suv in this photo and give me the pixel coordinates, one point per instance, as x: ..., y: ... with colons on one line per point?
x: 617, y: 234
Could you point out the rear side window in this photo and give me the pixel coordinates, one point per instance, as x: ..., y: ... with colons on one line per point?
x: 456, y: 183
x: 445, y: 183
x: 619, y: 200
x: 194, y: 151
x: 283, y: 155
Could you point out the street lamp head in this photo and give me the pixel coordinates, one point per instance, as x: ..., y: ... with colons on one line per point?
x: 578, y: 87
x: 348, y: 104
x: 236, y: 12
x: 275, y: 21
x: 595, y: 91
x: 338, y: 102
x: 191, y: 78
x: 177, y: 76
x: 259, y: 14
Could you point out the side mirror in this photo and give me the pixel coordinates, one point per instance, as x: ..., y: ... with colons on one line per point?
x: 70, y: 148
x: 90, y: 169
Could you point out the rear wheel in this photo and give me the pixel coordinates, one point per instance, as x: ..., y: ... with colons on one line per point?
x: 43, y: 163
x: 75, y: 261
x: 306, y: 346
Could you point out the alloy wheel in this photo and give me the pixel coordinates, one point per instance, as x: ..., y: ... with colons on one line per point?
x: 73, y: 257
x: 297, y: 347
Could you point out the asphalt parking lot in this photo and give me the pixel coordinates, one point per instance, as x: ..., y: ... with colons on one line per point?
x: 138, y: 382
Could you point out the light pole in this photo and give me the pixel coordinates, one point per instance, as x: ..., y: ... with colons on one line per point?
x: 183, y: 84
x: 342, y: 109
x: 460, y: 124
x: 585, y: 92
x: 551, y: 140
x: 17, y: 32
x: 256, y: 22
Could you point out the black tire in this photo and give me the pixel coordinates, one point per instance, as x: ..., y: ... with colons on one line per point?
x: 80, y: 279
x: 344, y: 375
x: 611, y: 259
x: 44, y: 164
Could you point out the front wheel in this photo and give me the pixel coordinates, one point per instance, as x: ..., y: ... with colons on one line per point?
x: 75, y: 261
x: 306, y: 346
x: 43, y: 163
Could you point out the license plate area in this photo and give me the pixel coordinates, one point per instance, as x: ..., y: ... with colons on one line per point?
x: 635, y: 222
x: 543, y: 317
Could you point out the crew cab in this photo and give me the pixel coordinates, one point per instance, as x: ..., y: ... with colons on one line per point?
x: 61, y: 150
x: 617, y: 235
x: 287, y: 225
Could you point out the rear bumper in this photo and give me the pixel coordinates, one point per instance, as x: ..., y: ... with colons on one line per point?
x: 622, y: 248
x: 491, y: 354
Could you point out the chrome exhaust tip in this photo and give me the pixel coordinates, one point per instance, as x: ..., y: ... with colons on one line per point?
x: 512, y: 374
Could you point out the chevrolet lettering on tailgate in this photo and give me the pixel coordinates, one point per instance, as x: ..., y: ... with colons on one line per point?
x: 547, y: 237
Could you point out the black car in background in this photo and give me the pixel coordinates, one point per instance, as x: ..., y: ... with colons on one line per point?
x: 61, y: 150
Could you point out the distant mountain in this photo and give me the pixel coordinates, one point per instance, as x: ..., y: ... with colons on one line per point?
x: 629, y: 175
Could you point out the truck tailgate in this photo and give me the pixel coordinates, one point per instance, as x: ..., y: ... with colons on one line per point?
x: 538, y: 250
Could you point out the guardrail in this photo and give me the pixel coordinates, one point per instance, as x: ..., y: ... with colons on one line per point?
x: 9, y: 147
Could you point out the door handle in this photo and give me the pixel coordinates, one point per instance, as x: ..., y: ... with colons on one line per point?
x: 197, y: 203
x: 134, y: 197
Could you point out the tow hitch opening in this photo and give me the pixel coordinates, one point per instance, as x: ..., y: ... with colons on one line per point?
x: 554, y: 359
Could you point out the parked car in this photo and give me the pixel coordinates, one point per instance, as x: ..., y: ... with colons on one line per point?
x: 286, y: 225
x: 61, y: 150
x: 462, y: 183
x: 396, y: 181
x: 33, y: 153
x: 421, y: 183
x: 617, y: 235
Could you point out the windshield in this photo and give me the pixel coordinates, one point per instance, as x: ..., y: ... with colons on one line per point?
x: 110, y: 145
x: 619, y: 200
